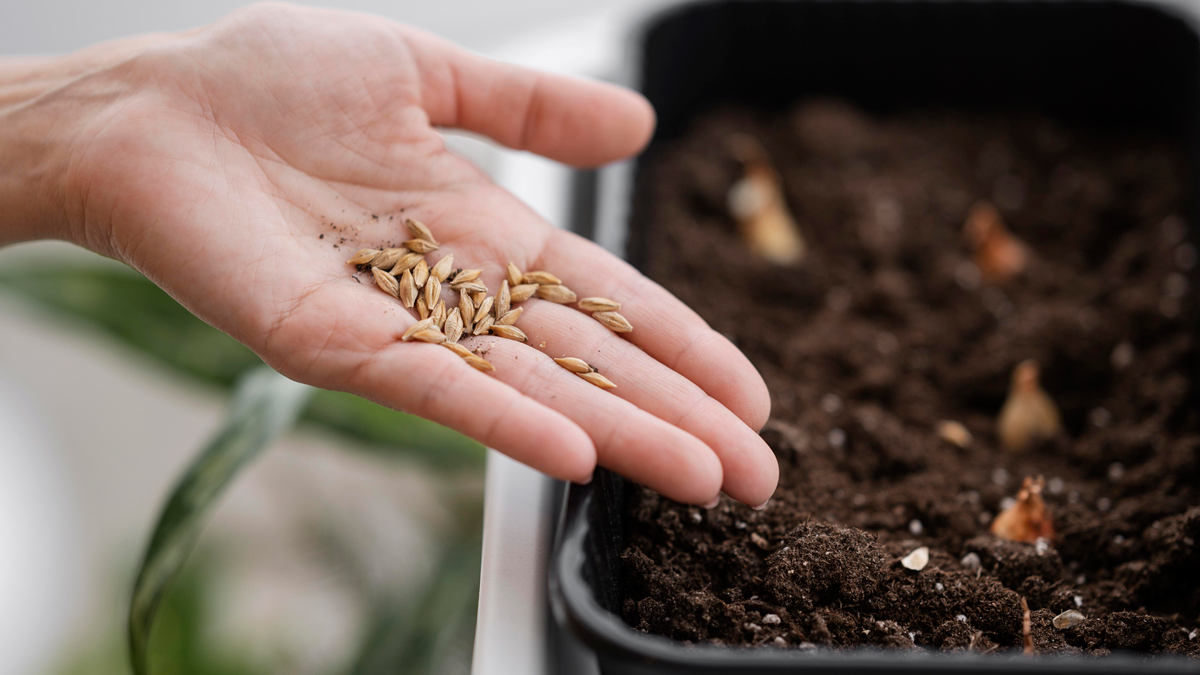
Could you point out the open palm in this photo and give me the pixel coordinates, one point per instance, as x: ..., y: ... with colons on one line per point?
x: 239, y: 166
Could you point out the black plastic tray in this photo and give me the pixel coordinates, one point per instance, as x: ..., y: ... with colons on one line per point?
x: 1114, y: 66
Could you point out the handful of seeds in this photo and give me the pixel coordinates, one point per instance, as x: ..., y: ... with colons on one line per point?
x: 404, y: 274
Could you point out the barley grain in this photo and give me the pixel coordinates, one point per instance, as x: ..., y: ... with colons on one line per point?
x: 406, y: 262
x: 599, y: 305
x: 422, y: 308
x: 388, y: 258
x: 484, y: 308
x: 421, y: 274
x: 598, y: 380
x: 364, y: 256
x: 477, y: 297
x: 454, y: 326
x: 466, y: 309
x: 503, y: 299
x: 441, y: 270
x: 421, y: 246
x: 423, y: 324
x: 408, y: 289
x: 514, y: 275
x: 510, y: 317
x: 469, y: 287
x: 539, y: 278
x: 509, y: 332
x: 439, y: 315
x: 431, y: 335
x: 458, y: 349
x: 577, y: 366
x: 432, y: 293
x: 522, y: 292
x: 386, y: 282
x: 613, y: 321
x: 484, y: 325
x: 419, y: 230
x: 479, y: 363
x: 556, y: 293
x: 464, y: 276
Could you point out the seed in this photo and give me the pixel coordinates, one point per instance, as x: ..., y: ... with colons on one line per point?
x: 917, y: 560
x: 419, y: 230
x: 454, y: 326
x: 422, y: 308
x: 509, y: 333
x: 421, y: 273
x: 540, y: 278
x: 522, y: 292
x: 761, y: 542
x: 484, y: 325
x: 365, y: 255
x: 598, y: 380
x: 556, y: 293
x: 510, y: 317
x: 387, y: 282
x: 431, y: 335
x: 464, y: 276
x: 477, y: 297
x: 408, y: 290
x: 514, y: 275
x: 503, y: 299
x: 423, y: 324
x: 577, y: 366
x: 388, y: 258
x: 432, y: 293
x: 1027, y: 518
x: 421, y: 245
x: 1029, y: 414
x: 439, y: 315
x: 954, y: 432
x: 442, y: 268
x: 613, y: 321
x: 406, y: 262
x: 1068, y: 619
x: 479, y: 364
x: 484, y: 309
x: 466, y: 309
x: 458, y: 349
x: 599, y: 305
x: 469, y: 287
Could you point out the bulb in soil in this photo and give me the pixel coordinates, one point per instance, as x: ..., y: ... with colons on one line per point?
x: 1029, y: 414
x: 999, y: 255
x: 1027, y: 520
x: 1068, y: 619
x: 757, y: 203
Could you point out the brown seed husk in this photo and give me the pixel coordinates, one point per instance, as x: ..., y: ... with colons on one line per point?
x: 430, y: 335
x: 442, y: 269
x: 458, y: 349
x: 423, y: 324
x: 421, y: 273
x: 509, y: 332
x: 364, y: 256
x: 408, y: 290
x: 503, y: 299
x: 439, y: 315
x: 510, y: 317
x: 484, y: 308
x: 388, y: 258
x: 577, y: 366
x: 386, y: 282
x: 421, y: 245
x: 419, y: 230
x: 422, y: 308
x: 433, y: 292
x: 522, y: 292
x: 613, y: 321
x: 466, y: 308
x: 454, y: 326
x: 465, y: 276
x: 599, y: 305
x: 479, y: 363
x: 514, y: 275
x: 469, y: 287
x: 477, y: 297
x: 407, y: 262
x: 540, y: 277
x: 484, y: 326
x: 598, y: 380
x: 556, y: 293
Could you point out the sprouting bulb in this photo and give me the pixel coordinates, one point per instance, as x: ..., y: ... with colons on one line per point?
x: 756, y: 202
x: 999, y: 255
x: 1027, y: 519
x: 1029, y: 414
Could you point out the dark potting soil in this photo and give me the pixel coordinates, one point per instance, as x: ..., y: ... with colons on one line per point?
x: 885, y: 329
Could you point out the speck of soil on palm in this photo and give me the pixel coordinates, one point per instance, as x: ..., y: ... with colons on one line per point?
x: 880, y: 333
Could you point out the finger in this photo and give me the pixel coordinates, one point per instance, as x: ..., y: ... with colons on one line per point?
x: 663, y: 327
x: 576, y: 121
x: 628, y: 440
x: 750, y: 470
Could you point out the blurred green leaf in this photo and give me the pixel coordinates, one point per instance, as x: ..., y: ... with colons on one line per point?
x: 265, y: 405
x: 142, y: 316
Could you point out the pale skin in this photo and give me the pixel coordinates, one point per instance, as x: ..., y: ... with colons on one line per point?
x: 213, y: 160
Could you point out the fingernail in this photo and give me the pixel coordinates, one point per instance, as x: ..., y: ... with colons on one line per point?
x: 713, y: 504
x: 761, y: 506
x: 585, y: 481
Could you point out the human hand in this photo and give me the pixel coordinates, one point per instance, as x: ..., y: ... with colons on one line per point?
x: 238, y: 166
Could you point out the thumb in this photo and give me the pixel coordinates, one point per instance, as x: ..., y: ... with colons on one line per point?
x: 572, y: 120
